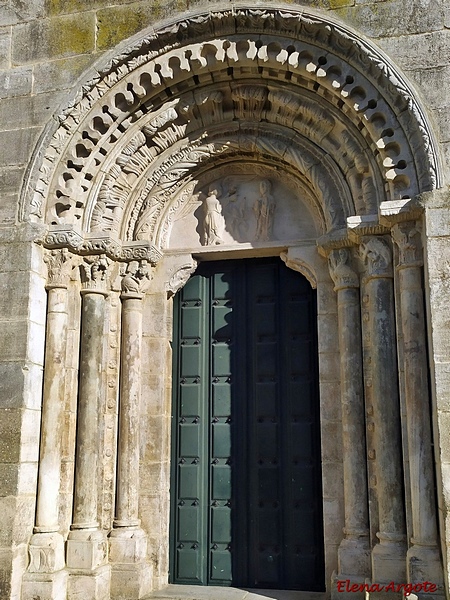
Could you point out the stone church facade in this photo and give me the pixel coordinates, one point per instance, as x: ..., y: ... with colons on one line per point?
x: 142, y: 144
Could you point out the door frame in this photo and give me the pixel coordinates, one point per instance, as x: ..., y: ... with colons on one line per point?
x: 170, y: 275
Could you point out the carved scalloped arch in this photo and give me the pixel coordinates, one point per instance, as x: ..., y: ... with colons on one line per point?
x: 292, y: 68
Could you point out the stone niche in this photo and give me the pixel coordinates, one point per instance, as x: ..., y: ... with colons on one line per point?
x: 242, y: 207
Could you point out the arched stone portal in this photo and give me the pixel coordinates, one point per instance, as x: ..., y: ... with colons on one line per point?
x: 235, y: 133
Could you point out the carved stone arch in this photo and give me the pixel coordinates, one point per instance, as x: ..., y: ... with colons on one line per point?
x: 342, y: 90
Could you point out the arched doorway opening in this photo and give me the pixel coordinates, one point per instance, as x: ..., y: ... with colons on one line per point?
x: 246, y: 485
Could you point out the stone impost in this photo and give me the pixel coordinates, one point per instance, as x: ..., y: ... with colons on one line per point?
x: 354, y: 551
x: 86, y: 544
x: 423, y: 558
x: 131, y: 574
x: 388, y: 556
x: 46, y: 548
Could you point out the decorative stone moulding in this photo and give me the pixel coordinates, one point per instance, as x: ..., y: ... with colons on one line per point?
x: 57, y: 237
x: 285, y: 87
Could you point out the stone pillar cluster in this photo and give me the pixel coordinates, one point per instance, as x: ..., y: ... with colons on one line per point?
x: 91, y: 563
x: 381, y: 271
x: 390, y: 523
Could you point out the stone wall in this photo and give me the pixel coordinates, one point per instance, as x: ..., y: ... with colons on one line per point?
x: 45, y: 47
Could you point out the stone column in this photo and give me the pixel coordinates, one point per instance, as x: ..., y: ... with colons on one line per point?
x: 46, y: 576
x: 389, y: 555
x: 86, y: 545
x: 354, y: 551
x: 131, y: 574
x: 423, y: 558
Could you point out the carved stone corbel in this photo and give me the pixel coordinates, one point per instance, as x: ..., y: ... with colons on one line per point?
x: 179, y: 275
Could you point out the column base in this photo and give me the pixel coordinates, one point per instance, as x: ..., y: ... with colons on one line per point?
x: 354, y: 559
x: 389, y: 562
x: 87, y: 549
x: 89, y: 585
x: 424, y: 564
x: 127, y: 545
x: 51, y: 586
x: 130, y: 582
x: 46, y: 551
x: 131, y: 575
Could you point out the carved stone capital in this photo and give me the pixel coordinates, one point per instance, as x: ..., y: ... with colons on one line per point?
x: 136, y: 279
x: 341, y: 272
x: 377, y: 255
x: 94, y: 274
x: 408, y: 239
x: 59, y: 265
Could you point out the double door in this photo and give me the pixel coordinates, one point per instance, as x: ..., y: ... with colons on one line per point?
x: 246, y: 483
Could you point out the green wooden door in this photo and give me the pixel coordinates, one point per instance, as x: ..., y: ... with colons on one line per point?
x: 246, y: 483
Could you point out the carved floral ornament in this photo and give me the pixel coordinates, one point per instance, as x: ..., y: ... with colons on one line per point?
x: 332, y: 108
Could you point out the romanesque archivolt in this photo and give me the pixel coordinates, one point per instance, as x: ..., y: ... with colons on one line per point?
x: 308, y: 96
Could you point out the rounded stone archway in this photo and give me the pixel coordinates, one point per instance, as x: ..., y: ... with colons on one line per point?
x: 241, y: 132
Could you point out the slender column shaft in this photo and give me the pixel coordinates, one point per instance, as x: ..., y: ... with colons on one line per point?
x: 417, y: 406
x: 354, y: 553
x: 131, y: 574
x: 52, y: 413
x: 386, y: 407
x: 423, y: 556
x: 45, y: 576
x: 356, y: 514
x: 87, y: 550
x: 130, y: 383
x: 90, y: 385
x: 388, y: 557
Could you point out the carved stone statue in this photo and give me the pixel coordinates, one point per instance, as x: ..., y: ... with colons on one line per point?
x: 235, y: 211
x: 264, y: 208
x: 214, y: 223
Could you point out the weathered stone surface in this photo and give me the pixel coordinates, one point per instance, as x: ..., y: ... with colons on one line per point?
x: 119, y: 22
x: 393, y: 18
x: 28, y: 111
x: 5, y: 47
x: 59, y: 74
x: 57, y: 46
x: 429, y: 50
x: 53, y: 38
x: 15, y: 82
x: 18, y: 145
x: 432, y: 83
x: 60, y: 7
